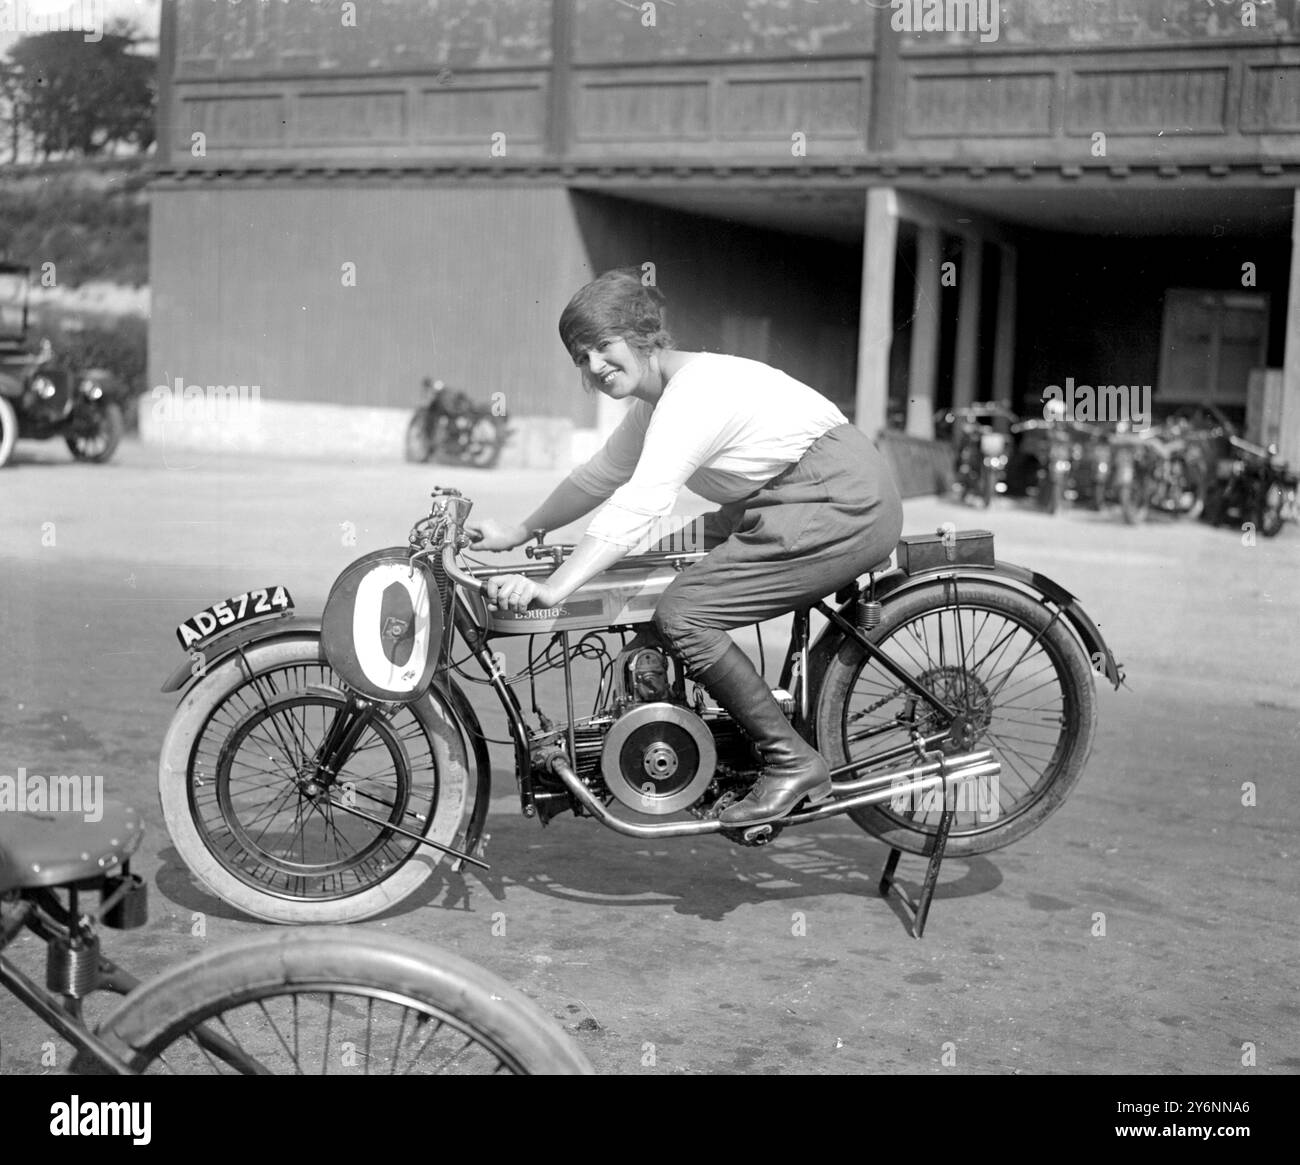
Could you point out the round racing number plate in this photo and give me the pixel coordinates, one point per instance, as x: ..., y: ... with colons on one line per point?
x: 382, y: 626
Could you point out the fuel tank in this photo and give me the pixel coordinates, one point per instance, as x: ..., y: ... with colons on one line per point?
x: 611, y: 598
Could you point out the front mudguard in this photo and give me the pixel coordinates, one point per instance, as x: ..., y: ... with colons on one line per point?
x: 1014, y: 578
x: 444, y: 689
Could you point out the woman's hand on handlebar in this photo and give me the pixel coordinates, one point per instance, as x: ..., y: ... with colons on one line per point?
x: 492, y: 535
x: 516, y: 592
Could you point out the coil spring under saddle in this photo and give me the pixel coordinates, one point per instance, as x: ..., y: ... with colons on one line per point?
x: 72, y: 965
x: 869, y: 613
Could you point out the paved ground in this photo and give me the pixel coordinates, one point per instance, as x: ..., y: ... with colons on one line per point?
x: 696, y: 956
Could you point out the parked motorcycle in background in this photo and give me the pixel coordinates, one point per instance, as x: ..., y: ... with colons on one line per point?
x: 1090, y: 455
x: 1163, y: 469
x: 1252, y: 484
x: 981, y: 447
x: 1045, y: 458
x: 451, y: 429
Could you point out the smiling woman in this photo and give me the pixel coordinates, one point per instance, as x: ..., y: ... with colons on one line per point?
x: 807, y: 504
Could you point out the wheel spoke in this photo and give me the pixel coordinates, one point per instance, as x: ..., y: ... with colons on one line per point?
x: 260, y: 818
x: 996, y: 667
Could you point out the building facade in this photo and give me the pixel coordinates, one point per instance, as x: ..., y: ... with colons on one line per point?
x: 907, y: 205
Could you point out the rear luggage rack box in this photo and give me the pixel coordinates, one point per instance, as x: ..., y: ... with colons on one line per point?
x: 921, y: 552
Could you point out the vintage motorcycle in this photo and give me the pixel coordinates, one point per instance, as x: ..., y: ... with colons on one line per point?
x: 1044, y: 459
x: 1252, y: 484
x: 40, y: 397
x: 450, y: 428
x: 979, y: 434
x: 1163, y: 469
x: 318, y: 769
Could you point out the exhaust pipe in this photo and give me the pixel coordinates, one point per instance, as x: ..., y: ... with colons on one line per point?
x: 869, y: 791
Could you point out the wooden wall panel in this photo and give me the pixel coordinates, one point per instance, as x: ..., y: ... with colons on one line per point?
x: 389, y: 95
x: 657, y: 110
x: 1272, y: 98
x: 466, y: 284
x: 1181, y: 100
x: 231, y: 121
x: 987, y: 105
x: 778, y: 106
x: 450, y: 114
x: 325, y: 117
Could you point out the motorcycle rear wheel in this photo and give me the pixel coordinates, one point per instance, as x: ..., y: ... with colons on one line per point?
x: 1268, y: 515
x: 418, y: 447
x: 321, y: 1001
x: 232, y: 798
x: 483, y: 443
x: 1029, y: 696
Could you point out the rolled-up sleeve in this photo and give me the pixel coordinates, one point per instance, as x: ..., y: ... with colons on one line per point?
x: 615, y: 461
x: 672, y: 450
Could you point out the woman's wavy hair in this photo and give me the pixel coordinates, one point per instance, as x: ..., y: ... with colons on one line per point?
x: 616, y: 303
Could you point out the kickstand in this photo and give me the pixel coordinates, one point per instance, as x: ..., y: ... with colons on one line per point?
x: 921, y: 907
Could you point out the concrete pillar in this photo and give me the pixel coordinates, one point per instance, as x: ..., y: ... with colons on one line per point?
x: 1289, y: 428
x: 966, y: 365
x: 924, y: 367
x: 876, y: 318
x: 1004, y: 343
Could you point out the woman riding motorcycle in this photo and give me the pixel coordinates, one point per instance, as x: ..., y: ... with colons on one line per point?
x: 807, y: 505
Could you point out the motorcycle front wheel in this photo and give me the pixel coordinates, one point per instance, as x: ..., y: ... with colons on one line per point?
x: 8, y: 431
x: 996, y: 657
x: 321, y: 1002
x: 96, y: 434
x: 255, y: 823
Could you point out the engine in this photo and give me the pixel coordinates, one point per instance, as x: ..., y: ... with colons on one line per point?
x: 654, y: 752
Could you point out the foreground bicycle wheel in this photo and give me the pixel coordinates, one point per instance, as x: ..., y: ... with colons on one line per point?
x: 999, y: 659
x: 323, y: 1001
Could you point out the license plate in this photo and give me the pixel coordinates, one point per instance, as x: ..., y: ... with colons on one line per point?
x: 245, y: 608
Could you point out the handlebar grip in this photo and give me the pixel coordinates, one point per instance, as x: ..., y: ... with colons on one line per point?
x: 458, y: 576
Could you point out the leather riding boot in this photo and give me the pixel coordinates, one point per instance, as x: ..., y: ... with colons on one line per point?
x: 792, y: 768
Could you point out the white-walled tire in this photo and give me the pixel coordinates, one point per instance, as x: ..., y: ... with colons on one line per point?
x: 8, y: 430
x: 198, y: 789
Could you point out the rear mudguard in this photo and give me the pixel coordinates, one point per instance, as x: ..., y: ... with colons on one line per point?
x: 445, y: 689
x: 1019, y: 579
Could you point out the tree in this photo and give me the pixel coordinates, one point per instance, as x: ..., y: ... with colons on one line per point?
x: 82, y: 97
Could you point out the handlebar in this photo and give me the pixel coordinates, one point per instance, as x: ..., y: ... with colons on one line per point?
x: 447, y: 522
x: 460, y: 577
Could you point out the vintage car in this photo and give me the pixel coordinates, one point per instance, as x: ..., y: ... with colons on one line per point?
x: 40, y: 395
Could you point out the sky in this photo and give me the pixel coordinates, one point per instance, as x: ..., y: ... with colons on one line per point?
x: 17, y: 17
